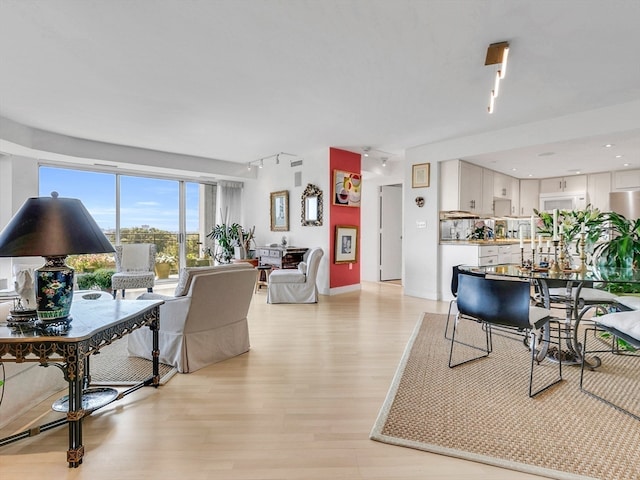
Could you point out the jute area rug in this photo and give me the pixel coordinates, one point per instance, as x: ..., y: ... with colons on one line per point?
x: 113, y: 366
x: 481, y: 411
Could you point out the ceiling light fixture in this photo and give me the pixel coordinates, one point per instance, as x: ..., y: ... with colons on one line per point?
x: 249, y: 166
x: 384, y: 161
x: 366, y: 151
x: 261, y: 163
x: 608, y: 145
x: 497, y: 54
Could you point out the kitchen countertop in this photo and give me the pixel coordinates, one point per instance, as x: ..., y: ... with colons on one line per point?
x: 501, y: 241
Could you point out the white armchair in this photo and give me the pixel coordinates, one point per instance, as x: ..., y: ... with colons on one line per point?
x: 205, y: 322
x: 134, y: 267
x: 296, y: 285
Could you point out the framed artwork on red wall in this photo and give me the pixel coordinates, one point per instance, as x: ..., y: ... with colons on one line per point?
x: 346, y: 247
x: 346, y: 188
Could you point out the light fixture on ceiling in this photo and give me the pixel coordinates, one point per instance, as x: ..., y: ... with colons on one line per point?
x: 249, y: 166
x: 384, y: 161
x: 608, y: 145
x: 497, y: 54
x: 366, y: 151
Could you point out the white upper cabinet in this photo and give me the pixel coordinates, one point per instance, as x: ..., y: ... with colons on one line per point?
x: 470, y: 188
x: 571, y: 184
x: 626, y: 180
x: 598, y: 188
x: 529, y: 196
x: 464, y: 186
x: 501, y: 185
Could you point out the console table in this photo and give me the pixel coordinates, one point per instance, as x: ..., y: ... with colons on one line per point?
x: 281, y: 257
x: 94, y: 325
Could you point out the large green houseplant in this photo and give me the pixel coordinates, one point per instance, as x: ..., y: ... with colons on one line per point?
x: 623, y: 248
x: 230, y: 237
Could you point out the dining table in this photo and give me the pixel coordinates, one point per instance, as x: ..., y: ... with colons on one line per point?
x: 573, y: 281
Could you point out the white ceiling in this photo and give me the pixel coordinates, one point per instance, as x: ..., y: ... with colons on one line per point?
x: 240, y: 80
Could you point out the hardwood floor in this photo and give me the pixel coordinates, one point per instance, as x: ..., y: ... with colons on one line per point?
x: 299, y: 405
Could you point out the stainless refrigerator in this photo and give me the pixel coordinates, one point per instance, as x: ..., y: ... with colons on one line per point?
x: 625, y: 203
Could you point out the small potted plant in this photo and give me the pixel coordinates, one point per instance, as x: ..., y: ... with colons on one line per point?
x: 164, y: 263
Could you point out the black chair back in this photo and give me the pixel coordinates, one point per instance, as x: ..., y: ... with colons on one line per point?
x: 454, y: 278
x: 501, y: 302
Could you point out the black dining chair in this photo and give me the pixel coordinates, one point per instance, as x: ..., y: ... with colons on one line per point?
x: 456, y: 271
x: 505, y: 304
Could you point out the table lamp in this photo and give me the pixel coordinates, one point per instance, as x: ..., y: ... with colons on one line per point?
x: 53, y: 228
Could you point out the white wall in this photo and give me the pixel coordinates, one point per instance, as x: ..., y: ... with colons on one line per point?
x: 274, y: 178
x: 18, y: 182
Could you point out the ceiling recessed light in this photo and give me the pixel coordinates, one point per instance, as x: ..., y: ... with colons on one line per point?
x: 626, y: 164
x: 530, y: 175
x: 608, y: 145
x: 619, y: 156
x: 577, y: 172
x: 514, y: 169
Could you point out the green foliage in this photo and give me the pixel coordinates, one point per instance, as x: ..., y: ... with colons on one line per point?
x: 570, y: 223
x: 623, y: 248
x: 228, y: 237
x: 100, y: 279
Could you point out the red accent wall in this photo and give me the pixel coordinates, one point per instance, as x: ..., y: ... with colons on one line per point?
x: 340, y: 274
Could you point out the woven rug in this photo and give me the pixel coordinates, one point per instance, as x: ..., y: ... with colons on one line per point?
x: 481, y: 411
x: 113, y: 366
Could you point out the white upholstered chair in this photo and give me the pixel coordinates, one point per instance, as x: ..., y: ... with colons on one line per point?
x: 296, y: 285
x: 135, y: 265
x: 205, y: 322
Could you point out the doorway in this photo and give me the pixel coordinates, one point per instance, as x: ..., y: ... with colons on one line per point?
x: 390, y: 233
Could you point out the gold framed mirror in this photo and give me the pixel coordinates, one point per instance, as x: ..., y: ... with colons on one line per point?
x: 311, y: 208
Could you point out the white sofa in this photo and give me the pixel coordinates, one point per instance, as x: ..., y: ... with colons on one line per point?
x: 205, y: 322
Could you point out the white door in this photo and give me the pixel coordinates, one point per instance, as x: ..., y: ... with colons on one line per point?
x: 390, y: 232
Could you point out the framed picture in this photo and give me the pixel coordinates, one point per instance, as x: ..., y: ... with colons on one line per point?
x: 280, y: 211
x: 420, y: 175
x: 346, y: 188
x: 346, y: 248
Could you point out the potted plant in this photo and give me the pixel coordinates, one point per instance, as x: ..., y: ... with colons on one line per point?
x: 163, y: 265
x: 623, y: 248
x: 233, y: 242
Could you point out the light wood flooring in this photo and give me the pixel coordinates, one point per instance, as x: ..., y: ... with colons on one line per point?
x: 299, y: 405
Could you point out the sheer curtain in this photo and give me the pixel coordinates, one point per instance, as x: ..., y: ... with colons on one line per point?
x: 230, y: 202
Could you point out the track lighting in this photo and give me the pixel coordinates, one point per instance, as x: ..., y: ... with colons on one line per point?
x: 497, y: 54
x: 384, y: 161
x: 249, y: 166
x: 261, y: 163
x: 366, y: 151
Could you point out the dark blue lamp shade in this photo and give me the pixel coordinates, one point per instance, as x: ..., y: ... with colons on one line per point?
x: 53, y: 228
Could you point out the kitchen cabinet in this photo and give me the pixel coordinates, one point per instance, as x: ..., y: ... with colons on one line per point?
x: 529, y: 197
x: 515, y: 196
x: 626, y: 180
x: 462, y: 187
x: 502, y: 186
x: 477, y: 255
x: 470, y: 187
x: 573, y: 184
x: 487, y: 191
x: 598, y: 189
